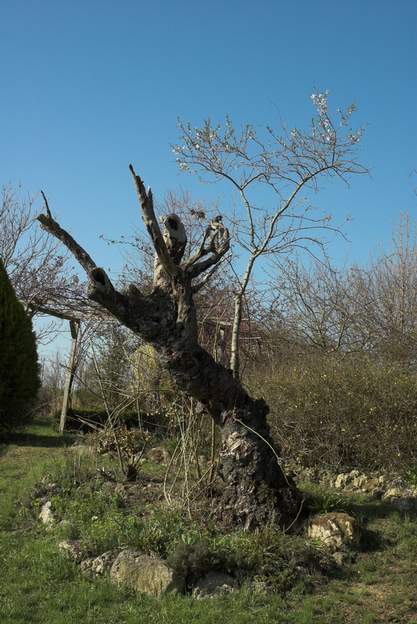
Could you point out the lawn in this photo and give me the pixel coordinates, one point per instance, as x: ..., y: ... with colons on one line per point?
x: 39, y: 585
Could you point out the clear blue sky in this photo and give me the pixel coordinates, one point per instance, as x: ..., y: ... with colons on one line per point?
x: 89, y: 86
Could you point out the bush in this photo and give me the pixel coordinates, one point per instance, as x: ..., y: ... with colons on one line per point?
x: 344, y: 413
x: 19, y: 373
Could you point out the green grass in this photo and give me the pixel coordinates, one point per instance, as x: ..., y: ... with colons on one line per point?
x: 39, y: 585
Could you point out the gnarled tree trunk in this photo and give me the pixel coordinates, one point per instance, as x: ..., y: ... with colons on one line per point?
x: 256, y: 490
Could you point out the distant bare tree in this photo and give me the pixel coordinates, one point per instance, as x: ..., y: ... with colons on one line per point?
x: 321, y: 306
x: 38, y: 269
x: 387, y: 295
x: 370, y: 309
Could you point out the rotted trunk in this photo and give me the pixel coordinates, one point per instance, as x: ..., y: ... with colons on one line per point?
x: 255, y: 489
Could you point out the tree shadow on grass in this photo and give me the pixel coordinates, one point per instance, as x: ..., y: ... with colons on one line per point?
x: 373, y: 509
x: 33, y: 438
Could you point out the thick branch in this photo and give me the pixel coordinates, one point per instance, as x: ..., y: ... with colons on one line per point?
x: 100, y: 288
x: 152, y: 226
x: 42, y: 309
x: 50, y: 225
x: 102, y: 291
x: 197, y: 287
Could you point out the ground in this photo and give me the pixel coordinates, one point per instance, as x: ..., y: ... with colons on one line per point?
x: 39, y: 585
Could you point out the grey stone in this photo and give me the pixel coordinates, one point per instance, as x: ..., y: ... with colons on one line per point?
x: 144, y: 574
x: 401, y: 499
x: 336, y: 530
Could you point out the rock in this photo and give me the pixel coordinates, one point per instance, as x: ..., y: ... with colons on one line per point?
x: 46, y: 516
x: 360, y: 482
x: 214, y: 584
x: 341, y: 481
x: 401, y: 499
x: 337, y: 531
x: 354, y: 480
x: 98, y: 566
x: 393, y: 492
x: 372, y: 484
x: 145, y: 574
x: 71, y: 548
x: 159, y: 455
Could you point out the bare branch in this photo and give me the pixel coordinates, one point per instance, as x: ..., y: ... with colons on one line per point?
x: 152, y: 226
x: 100, y: 288
x: 45, y: 201
x: 50, y: 225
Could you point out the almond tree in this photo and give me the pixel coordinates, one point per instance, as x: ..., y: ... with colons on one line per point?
x: 270, y: 172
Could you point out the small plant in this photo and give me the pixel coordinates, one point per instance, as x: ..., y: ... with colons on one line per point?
x: 326, y: 503
x: 411, y: 475
x: 128, y: 445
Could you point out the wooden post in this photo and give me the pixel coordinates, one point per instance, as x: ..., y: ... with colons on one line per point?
x: 74, y: 327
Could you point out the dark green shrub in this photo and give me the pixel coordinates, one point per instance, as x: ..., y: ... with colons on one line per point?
x: 19, y: 374
x: 344, y: 413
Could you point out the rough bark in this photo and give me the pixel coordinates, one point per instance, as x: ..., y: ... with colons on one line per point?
x: 256, y: 490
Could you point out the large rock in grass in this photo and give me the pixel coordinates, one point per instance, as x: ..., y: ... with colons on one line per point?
x: 336, y: 530
x: 144, y: 574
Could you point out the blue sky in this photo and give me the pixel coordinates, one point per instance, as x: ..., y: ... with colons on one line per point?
x: 89, y: 86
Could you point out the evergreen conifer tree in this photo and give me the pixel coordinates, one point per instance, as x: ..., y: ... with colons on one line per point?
x: 19, y: 371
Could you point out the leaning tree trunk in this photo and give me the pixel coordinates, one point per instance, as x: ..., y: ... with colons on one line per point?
x: 255, y: 491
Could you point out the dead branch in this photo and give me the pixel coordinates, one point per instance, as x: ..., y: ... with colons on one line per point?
x: 152, y: 226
